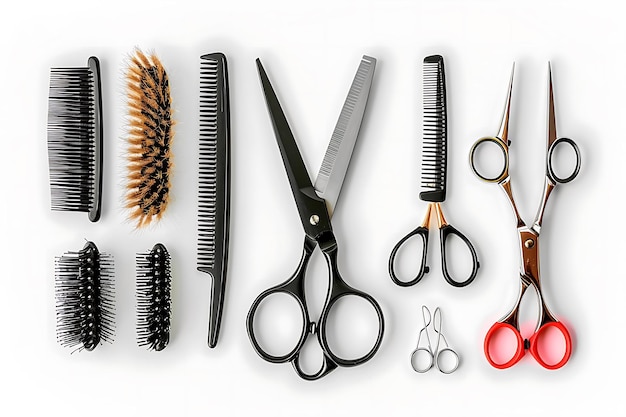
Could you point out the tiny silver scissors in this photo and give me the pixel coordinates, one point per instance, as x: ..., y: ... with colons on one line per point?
x: 529, y: 249
x: 424, y: 358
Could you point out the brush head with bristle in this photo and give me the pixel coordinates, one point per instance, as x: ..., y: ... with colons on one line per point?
x: 150, y: 136
x: 153, y: 298
x: 75, y: 138
x: 434, y: 147
x: 84, y: 298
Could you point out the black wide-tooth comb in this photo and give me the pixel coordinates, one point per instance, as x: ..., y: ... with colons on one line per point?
x: 84, y: 298
x: 434, y: 147
x: 75, y: 139
x: 153, y: 298
x: 214, y: 182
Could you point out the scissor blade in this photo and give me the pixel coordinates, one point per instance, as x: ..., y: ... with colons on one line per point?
x: 551, y: 113
x: 337, y: 158
x: 294, y: 165
x: 503, y: 133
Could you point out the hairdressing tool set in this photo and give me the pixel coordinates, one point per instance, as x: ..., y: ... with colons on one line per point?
x: 529, y: 247
x: 84, y: 279
x: 316, y: 204
x: 424, y: 358
x: 434, y: 173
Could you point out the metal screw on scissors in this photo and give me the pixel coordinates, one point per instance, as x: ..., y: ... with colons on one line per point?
x: 315, y: 206
x: 538, y: 344
x: 433, y: 356
x: 434, y: 173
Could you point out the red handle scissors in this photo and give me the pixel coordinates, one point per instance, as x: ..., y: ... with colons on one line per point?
x: 538, y: 343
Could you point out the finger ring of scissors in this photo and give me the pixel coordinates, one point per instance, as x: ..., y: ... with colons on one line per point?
x: 424, y: 358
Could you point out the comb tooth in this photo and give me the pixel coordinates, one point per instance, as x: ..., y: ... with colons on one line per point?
x: 434, y: 146
x: 212, y: 192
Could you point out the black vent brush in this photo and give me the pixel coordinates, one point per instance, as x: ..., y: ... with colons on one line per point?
x: 214, y: 182
x: 84, y: 298
x: 75, y: 139
x: 153, y: 298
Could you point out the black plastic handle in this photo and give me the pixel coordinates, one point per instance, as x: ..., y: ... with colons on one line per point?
x: 293, y: 287
x: 423, y: 232
x: 445, y: 231
x: 337, y: 290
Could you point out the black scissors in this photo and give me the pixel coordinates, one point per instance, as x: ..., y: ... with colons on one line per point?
x: 315, y: 205
x: 495, y: 352
x: 434, y: 173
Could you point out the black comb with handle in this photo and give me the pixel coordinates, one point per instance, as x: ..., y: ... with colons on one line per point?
x: 214, y: 182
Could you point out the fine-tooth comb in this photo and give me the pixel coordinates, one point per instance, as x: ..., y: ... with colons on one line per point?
x: 84, y: 298
x: 153, y: 298
x: 434, y: 147
x: 214, y: 182
x: 75, y: 139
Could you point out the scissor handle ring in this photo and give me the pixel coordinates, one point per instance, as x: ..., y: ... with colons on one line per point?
x: 456, y: 365
x: 323, y: 339
x: 519, y: 351
x: 424, y: 269
x: 414, y: 362
x: 534, y: 345
x: 250, y: 325
x: 505, y: 151
x: 551, y: 172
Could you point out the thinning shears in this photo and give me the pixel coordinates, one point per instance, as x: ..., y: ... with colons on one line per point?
x: 315, y: 206
x: 538, y: 344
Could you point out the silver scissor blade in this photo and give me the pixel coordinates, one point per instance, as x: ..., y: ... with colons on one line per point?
x: 337, y: 158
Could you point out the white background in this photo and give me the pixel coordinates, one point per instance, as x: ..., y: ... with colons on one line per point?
x: 311, y: 53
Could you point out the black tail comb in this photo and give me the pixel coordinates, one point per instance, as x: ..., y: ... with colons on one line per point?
x: 434, y: 147
x: 75, y: 139
x: 214, y: 182
x: 153, y: 298
x: 84, y: 298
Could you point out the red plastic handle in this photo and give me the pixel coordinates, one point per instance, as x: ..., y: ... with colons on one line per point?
x: 493, y: 345
x: 539, y: 343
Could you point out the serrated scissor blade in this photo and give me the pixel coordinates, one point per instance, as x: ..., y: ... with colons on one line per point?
x: 337, y: 158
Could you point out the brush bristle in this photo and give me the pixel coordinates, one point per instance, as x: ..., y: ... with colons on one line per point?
x: 149, y: 139
x: 84, y: 298
x: 434, y: 148
x: 71, y: 138
x: 153, y: 298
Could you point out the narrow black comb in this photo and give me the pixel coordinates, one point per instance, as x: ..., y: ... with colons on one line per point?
x: 84, y: 298
x: 75, y: 139
x: 434, y: 147
x: 153, y: 298
x: 214, y: 182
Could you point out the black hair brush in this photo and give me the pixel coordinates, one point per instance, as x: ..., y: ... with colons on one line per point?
x: 75, y: 139
x: 84, y: 298
x: 153, y: 298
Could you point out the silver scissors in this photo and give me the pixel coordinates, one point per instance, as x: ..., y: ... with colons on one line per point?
x: 424, y: 358
x: 529, y: 248
x: 315, y: 205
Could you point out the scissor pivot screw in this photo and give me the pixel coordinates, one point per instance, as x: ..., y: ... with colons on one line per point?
x: 529, y: 243
x: 314, y: 220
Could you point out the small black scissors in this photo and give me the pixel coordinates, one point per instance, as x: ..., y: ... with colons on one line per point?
x: 529, y: 249
x: 315, y: 205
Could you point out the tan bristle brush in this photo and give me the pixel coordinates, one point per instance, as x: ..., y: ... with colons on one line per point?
x: 150, y: 134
